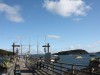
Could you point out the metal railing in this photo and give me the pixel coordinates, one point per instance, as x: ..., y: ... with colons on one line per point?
x: 17, y: 69
x: 60, y: 68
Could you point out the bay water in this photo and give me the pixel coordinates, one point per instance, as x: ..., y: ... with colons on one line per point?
x: 83, y: 59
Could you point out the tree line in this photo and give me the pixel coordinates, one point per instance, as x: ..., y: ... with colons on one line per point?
x: 5, y: 52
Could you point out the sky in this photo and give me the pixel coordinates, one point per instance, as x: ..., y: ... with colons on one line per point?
x: 64, y: 24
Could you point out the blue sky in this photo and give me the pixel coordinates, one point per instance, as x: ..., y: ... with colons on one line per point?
x: 67, y: 24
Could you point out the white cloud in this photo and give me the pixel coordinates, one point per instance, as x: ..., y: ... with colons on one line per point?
x: 54, y: 36
x: 67, y: 8
x: 11, y: 12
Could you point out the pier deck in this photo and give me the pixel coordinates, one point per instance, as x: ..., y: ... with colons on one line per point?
x: 27, y: 69
x: 24, y: 70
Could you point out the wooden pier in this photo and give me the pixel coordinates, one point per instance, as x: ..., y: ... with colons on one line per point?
x: 22, y: 69
x: 29, y: 67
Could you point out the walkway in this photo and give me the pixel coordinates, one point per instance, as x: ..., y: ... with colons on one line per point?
x: 24, y: 69
x: 27, y: 70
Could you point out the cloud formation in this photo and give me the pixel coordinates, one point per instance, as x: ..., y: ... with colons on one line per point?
x: 11, y: 12
x: 67, y: 8
x: 54, y: 36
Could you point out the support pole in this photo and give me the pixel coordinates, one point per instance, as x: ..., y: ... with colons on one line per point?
x: 21, y: 49
x: 47, y: 54
x: 13, y: 49
x: 48, y: 47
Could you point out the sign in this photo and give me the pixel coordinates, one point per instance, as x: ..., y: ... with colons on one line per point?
x: 16, y: 45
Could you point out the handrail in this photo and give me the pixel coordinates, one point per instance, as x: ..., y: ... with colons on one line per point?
x: 62, y: 67
x: 73, y: 68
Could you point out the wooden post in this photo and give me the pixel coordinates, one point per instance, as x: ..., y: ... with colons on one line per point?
x: 48, y: 47
x: 53, y: 68
x: 73, y: 67
x: 60, y: 68
x: 47, y: 54
x: 13, y: 49
x: 91, y: 69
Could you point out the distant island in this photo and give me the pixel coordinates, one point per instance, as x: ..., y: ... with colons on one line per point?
x: 71, y: 52
x: 5, y: 52
x: 98, y: 52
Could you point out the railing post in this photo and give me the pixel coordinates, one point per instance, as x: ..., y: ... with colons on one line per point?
x: 73, y: 71
x: 53, y: 67
x: 91, y: 69
x: 60, y: 68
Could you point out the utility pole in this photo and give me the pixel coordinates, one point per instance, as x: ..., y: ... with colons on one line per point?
x: 21, y: 49
x: 47, y: 47
x: 29, y: 50
x: 17, y: 51
x: 37, y: 48
x: 47, y: 54
x: 45, y: 44
x: 13, y: 49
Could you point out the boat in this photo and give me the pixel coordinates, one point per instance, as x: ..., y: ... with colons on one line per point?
x: 79, y: 57
x: 92, y: 55
x: 52, y: 60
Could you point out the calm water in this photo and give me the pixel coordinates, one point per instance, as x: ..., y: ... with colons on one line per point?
x: 74, y: 60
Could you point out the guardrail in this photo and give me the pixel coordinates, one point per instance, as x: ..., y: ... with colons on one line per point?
x: 66, y: 68
x: 60, y: 68
x: 17, y: 69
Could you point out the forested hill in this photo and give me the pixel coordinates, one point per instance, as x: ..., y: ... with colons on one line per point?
x: 97, y: 52
x: 69, y: 52
x: 5, y: 52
